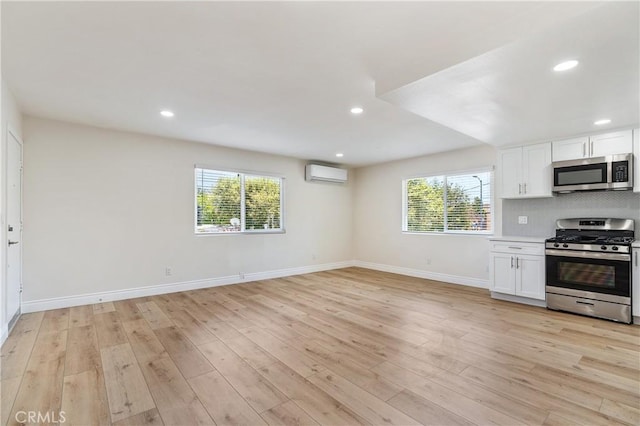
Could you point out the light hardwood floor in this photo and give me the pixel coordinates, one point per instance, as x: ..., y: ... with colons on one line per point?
x: 343, y: 347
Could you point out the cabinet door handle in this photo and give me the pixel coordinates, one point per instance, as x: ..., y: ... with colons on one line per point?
x: 525, y: 188
x: 591, y: 149
x: 517, y: 262
x: 584, y: 149
x: 636, y: 258
x: 511, y: 262
x: 519, y: 188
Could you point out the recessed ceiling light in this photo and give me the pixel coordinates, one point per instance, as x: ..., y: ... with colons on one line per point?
x: 339, y: 155
x: 566, y: 65
x: 167, y: 113
x: 602, y: 122
x: 356, y: 110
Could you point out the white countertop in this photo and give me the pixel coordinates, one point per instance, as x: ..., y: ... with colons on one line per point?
x: 518, y: 239
x: 636, y: 244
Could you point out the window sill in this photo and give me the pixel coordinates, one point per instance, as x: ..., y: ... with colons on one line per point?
x: 256, y: 232
x: 461, y: 233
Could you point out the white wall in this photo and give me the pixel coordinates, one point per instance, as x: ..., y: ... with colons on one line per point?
x: 107, y: 210
x: 378, y: 237
x: 11, y: 118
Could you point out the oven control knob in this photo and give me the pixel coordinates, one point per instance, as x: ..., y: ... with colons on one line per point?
x: 565, y: 245
x: 603, y: 247
x: 556, y: 245
x: 614, y: 248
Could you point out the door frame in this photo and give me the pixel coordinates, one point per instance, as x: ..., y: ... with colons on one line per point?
x: 11, y: 133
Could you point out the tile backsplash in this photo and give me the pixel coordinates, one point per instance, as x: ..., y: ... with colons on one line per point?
x: 543, y: 212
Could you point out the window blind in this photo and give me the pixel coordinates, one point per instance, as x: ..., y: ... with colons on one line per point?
x: 449, y: 203
x: 235, y: 202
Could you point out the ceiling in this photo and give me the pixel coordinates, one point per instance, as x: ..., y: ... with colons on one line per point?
x: 280, y: 77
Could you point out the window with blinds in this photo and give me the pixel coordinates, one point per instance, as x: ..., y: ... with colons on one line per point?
x: 448, y: 203
x: 237, y: 202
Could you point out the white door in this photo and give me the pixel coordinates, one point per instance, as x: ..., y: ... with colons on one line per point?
x: 502, y: 278
x: 14, y: 226
x: 530, y: 277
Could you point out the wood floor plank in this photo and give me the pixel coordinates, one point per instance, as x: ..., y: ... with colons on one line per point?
x: 109, y: 329
x: 258, y: 392
x: 126, y: 388
x: 101, y: 308
x: 80, y: 316
x: 527, y: 413
x: 425, y: 411
x: 375, y: 347
x: 83, y: 350
x: 288, y: 414
x: 143, y: 340
x: 525, y: 392
x: 128, y: 309
x: 185, y: 354
x: 457, y: 403
x: 626, y: 413
x: 192, y: 328
x: 344, y: 366
x: 319, y: 405
x: 18, y: 346
x: 55, y: 320
x: 296, y: 360
x: 149, y: 418
x: 176, y: 401
x: 221, y: 400
x: 154, y: 315
x: 251, y: 353
x: 84, y: 398
x: 8, y: 391
x: 361, y: 402
x: 41, y: 386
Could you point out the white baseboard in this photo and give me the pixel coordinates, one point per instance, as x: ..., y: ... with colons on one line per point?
x: 110, y: 296
x: 418, y: 273
x: 518, y: 299
x: 4, y: 334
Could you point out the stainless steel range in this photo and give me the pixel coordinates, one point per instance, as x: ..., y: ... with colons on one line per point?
x: 588, y: 267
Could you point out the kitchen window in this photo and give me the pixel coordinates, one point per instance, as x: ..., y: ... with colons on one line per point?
x: 452, y: 203
x: 237, y: 202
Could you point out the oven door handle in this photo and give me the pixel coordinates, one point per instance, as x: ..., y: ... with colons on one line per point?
x: 588, y: 255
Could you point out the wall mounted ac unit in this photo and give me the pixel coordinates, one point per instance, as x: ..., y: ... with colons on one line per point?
x: 316, y: 172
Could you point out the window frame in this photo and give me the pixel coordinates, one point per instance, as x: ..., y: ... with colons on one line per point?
x: 445, y: 175
x: 243, y: 173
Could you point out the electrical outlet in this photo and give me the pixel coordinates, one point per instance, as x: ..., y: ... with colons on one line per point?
x: 167, y: 271
x: 523, y: 220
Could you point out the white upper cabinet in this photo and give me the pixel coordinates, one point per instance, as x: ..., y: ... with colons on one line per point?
x: 593, y: 146
x: 536, y: 170
x: 510, y: 161
x: 636, y: 163
x: 611, y: 143
x: 570, y: 149
x: 525, y: 172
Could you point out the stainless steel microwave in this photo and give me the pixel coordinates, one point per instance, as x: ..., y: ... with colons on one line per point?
x: 612, y: 172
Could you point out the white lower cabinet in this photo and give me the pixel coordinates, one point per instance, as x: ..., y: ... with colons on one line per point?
x: 518, y: 269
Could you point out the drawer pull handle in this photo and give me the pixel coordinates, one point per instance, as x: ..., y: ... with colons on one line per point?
x: 515, y: 248
x: 580, y: 302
